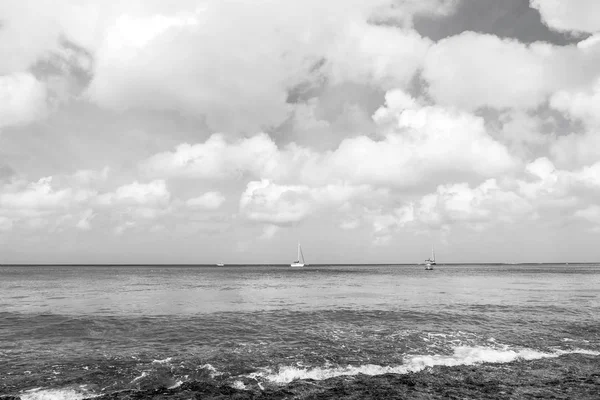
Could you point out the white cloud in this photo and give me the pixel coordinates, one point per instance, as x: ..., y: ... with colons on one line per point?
x: 580, y: 104
x: 40, y: 195
x: 416, y: 144
x: 267, y: 202
x: 350, y: 224
x: 474, y: 70
x: 154, y: 193
x: 85, y: 220
x: 544, y: 193
x: 88, y: 176
x: 523, y: 130
x: 143, y: 59
x: 381, y: 55
x: 435, y: 161
x: 48, y: 204
x: 269, y: 231
x: 22, y: 99
x: 263, y: 201
x: 589, y: 175
x: 39, y: 204
x: 576, y: 149
x: 419, y: 144
x: 207, y: 201
x: 460, y: 204
x: 572, y: 15
x: 121, y: 228
x: 217, y: 159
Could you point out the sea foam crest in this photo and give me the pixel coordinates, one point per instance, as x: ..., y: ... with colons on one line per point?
x: 211, y: 370
x: 463, y: 355
x: 165, y: 361
x: 55, y: 394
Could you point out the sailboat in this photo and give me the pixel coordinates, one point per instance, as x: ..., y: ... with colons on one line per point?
x: 300, y: 259
x: 430, y: 262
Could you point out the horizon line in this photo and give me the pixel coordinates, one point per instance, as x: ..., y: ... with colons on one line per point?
x: 286, y: 264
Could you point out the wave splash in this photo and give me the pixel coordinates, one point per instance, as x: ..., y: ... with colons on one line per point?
x: 463, y: 355
x: 57, y: 394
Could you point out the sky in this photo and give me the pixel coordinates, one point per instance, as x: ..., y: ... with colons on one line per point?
x: 205, y: 131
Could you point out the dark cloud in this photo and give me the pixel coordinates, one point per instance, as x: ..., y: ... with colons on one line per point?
x: 72, y: 63
x: 6, y: 172
x: 345, y: 111
x: 505, y: 18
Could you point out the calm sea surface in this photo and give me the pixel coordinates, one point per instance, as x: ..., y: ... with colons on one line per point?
x: 74, y: 331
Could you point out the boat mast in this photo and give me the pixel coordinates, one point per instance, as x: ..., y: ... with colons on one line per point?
x: 432, y: 253
x: 300, y: 254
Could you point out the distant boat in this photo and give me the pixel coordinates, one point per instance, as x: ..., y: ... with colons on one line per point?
x: 300, y: 259
x: 430, y: 262
x: 220, y: 264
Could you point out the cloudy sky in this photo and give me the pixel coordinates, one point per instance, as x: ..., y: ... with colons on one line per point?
x: 203, y: 131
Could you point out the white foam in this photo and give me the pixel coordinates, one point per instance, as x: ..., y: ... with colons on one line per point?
x: 137, y: 378
x: 176, y: 385
x: 55, y: 394
x: 463, y: 355
x: 213, y: 371
x: 165, y: 361
x: 238, y: 385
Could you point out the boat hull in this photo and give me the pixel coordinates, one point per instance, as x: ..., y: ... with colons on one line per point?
x: 297, y: 265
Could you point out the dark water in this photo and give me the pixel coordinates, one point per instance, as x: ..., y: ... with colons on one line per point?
x: 76, y: 331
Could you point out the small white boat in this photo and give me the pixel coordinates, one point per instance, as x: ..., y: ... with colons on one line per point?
x: 299, y: 260
x: 430, y: 262
x: 220, y: 264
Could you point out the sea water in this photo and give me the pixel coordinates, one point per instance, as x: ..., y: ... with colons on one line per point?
x: 68, y: 332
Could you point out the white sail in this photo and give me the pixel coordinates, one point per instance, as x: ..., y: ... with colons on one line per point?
x: 299, y: 259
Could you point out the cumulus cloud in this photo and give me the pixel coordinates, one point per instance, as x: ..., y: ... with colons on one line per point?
x: 582, y: 104
x: 418, y: 143
x: 143, y: 194
x: 40, y: 195
x: 144, y: 59
x: 89, y: 176
x: 378, y: 55
x: 574, y: 15
x: 207, y: 201
x: 85, y: 220
x: 267, y: 202
x: 576, y: 149
x: 474, y: 70
x: 218, y: 158
x: 22, y: 99
x: 457, y: 204
x: 543, y: 191
x: 338, y: 109
x: 52, y: 202
x: 36, y: 203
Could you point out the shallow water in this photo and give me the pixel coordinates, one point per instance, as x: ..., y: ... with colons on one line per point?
x: 82, y: 330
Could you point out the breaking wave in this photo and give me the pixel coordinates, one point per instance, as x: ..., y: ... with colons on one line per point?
x: 57, y: 394
x: 463, y: 355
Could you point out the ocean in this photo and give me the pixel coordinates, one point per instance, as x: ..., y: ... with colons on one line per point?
x: 322, y: 331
